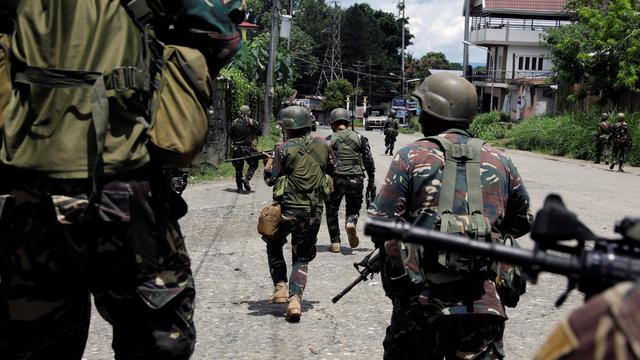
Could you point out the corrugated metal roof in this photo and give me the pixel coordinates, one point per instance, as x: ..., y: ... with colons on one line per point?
x: 531, y: 5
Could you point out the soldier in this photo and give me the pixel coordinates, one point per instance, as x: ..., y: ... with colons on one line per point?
x: 621, y: 134
x: 605, y: 327
x: 601, y: 137
x: 446, y: 305
x: 299, y: 173
x: 244, y: 135
x: 84, y: 209
x: 390, y: 131
x: 353, y: 154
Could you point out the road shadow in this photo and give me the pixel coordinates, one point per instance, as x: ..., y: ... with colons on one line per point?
x: 263, y: 308
x: 344, y: 250
x: 233, y: 190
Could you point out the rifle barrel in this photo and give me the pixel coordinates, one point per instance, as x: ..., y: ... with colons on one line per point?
x: 348, y: 288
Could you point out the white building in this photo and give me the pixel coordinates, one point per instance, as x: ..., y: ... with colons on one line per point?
x: 512, y: 31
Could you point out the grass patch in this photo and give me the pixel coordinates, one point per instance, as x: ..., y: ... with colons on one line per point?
x: 207, y: 172
x: 569, y: 134
x: 413, y: 128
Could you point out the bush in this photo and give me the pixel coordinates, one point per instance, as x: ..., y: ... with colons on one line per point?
x: 489, y: 126
x: 241, y: 89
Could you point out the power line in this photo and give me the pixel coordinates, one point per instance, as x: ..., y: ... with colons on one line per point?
x: 332, y: 65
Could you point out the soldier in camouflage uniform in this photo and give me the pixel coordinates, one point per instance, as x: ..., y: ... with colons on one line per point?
x: 353, y: 154
x: 621, y: 134
x: 244, y: 133
x: 299, y: 173
x: 601, y: 137
x: 605, y: 327
x: 438, y: 313
x: 68, y: 230
x: 390, y: 131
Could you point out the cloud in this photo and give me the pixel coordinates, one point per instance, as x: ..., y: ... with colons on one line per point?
x: 435, y: 24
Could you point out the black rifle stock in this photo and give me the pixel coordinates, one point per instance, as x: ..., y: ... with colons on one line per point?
x: 370, y: 265
x: 591, y: 269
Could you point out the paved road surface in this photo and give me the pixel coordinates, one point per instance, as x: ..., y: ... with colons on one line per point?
x: 230, y: 265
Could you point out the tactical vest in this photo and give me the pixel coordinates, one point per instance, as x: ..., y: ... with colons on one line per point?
x: 304, y: 184
x: 242, y: 131
x: 444, y: 266
x: 346, y: 145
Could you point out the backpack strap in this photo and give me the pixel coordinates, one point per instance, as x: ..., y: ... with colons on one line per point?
x: 460, y: 154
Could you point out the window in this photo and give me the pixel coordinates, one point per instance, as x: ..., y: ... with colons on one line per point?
x: 521, y: 59
x: 539, y: 63
x: 526, y: 63
x: 534, y: 63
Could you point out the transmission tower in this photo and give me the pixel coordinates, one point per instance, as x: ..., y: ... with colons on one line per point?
x: 332, y: 64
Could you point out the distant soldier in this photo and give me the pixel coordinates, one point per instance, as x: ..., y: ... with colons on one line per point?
x: 353, y: 154
x: 621, y: 134
x: 601, y: 137
x: 298, y: 173
x: 390, y: 131
x: 244, y: 135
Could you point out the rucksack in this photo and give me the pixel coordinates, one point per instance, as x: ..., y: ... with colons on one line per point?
x: 347, y: 149
x: 444, y: 266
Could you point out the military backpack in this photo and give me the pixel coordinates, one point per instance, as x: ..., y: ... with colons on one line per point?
x: 346, y: 145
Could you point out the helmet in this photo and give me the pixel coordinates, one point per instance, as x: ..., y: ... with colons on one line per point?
x: 620, y: 117
x: 295, y: 117
x: 604, y: 116
x: 392, y: 113
x: 448, y: 97
x: 245, y: 110
x: 339, y: 114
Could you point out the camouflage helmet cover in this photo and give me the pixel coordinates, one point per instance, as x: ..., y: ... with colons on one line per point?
x: 339, y: 114
x: 604, y: 116
x: 620, y: 117
x: 448, y: 97
x: 245, y: 110
x: 295, y: 117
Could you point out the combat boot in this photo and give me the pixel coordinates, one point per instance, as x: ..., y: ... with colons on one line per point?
x: 353, y: 236
x: 246, y: 184
x: 334, y: 247
x: 620, y: 168
x: 239, y: 185
x: 612, y: 165
x: 280, y: 294
x: 294, y: 309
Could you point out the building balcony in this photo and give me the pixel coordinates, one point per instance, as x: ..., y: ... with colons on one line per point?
x: 489, y: 31
x: 503, y: 77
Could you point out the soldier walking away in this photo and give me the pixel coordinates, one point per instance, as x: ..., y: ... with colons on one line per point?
x: 353, y: 157
x: 84, y: 206
x: 621, y: 134
x: 445, y: 304
x: 299, y: 174
x: 601, y: 137
x: 244, y: 136
x: 390, y: 131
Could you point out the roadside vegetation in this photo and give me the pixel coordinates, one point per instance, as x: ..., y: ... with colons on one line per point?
x: 569, y: 134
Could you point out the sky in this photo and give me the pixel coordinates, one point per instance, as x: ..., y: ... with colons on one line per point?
x: 438, y: 26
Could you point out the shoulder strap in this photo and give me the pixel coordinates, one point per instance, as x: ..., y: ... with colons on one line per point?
x: 316, y: 158
x: 454, y: 154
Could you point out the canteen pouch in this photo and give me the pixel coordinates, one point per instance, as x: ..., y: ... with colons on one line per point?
x: 269, y: 219
x: 179, y: 113
x: 510, y: 283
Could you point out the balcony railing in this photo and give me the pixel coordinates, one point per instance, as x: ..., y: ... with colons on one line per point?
x: 501, y: 76
x: 479, y: 23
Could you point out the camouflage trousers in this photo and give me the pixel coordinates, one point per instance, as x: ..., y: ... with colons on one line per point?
x: 241, y: 151
x: 620, y: 152
x: 350, y: 188
x: 126, y: 250
x: 417, y: 333
x: 602, y: 148
x: 303, y: 226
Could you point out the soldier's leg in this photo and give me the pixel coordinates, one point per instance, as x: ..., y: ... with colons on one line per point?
x: 477, y: 336
x: 599, y: 146
x: 238, y: 165
x: 333, y: 207
x: 143, y: 282
x: 606, y: 147
x: 353, y: 199
x: 614, y: 155
x: 391, y: 145
x: 411, y: 334
x: 44, y: 301
x: 303, y: 249
x: 275, y: 256
x: 253, y: 166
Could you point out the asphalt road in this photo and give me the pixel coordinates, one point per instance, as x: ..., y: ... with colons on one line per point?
x: 229, y: 262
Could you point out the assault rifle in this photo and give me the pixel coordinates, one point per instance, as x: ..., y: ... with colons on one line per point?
x: 590, y: 263
x: 370, y: 265
x: 258, y: 155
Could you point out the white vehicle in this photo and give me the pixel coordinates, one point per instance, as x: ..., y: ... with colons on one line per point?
x: 375, y: 117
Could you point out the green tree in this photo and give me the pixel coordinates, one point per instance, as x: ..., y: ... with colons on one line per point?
x: 601, y: 50
x: 336, y: 93
x: 435, y: 60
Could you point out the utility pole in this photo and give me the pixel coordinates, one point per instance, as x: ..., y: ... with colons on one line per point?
x: 273, y: 46
x: 401, y: 7
x: 355, y: 106
x: 465, y: 55
x: 289, y: 38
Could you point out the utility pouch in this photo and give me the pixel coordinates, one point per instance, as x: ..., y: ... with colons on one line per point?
x: 510, y: 283
x: 269, y: 219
